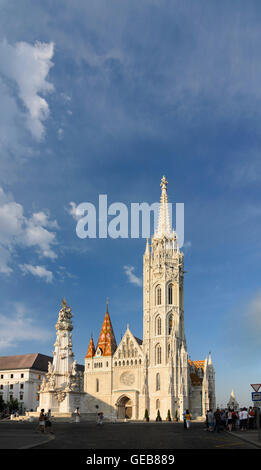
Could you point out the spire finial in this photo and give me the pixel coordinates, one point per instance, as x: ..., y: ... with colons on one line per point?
x: 163, y: 182
x: 107, y: 304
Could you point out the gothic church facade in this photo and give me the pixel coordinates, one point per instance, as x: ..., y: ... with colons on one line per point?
x: 155, y: 373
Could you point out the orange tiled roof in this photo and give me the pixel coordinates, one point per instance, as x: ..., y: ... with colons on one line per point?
x: 197, y: 364
x: 91, y: 349
x: 107, y: 341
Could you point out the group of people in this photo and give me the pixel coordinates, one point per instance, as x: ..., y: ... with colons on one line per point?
x: 231, y: 420
x: 45, y: 421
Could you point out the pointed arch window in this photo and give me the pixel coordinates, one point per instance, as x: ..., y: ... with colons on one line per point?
x: 157, y: 382
x: 97, y: 385
x: 170, y: 294
x: 157, y: 404
x: 158, y: 354
x: 158, y: 295
x: 158, y: 326
x: 170, y: 323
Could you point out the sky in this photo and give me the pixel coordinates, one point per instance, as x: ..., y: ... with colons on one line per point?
x: 105, y: 98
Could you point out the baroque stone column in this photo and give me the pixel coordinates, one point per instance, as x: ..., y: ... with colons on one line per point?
x: 62, y: 390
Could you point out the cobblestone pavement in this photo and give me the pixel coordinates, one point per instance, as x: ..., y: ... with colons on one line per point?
x: 21, y: 435
x: 86, y: 435
x: 140, y: 436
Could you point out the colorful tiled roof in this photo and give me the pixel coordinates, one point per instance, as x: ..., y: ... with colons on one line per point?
x: 107, y: 342
x: 197, y: 364
x: 91, y: 349
x: 194, y: 374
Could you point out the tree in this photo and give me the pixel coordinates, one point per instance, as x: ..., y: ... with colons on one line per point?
x: 168, y: 416
x: 2, y: 404
x: 146, y: 416
x: 158, y: 416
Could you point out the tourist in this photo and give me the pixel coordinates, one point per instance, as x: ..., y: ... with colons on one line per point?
x: 240, y: 418
x: 207, y: 419
x: 184, y: 419
x: 229, y: 420
x: 217, y: 416
x: 42, y: 421
x: 48, y: 422
x: 251, y: 417
x: 100, y: 419
x: 77, y: 415
x: 234, y: 420
x: 210, y: 420
x: 244, y: 419
x: 188, y: 418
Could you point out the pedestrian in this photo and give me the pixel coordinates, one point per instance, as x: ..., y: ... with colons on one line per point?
x: 234, y: 420
x: 217, y: 416
x: 184, y: 419
x: 244, y: 419
x: 229, y: 420
x: 42, y: 421
x: 48, y: 422
x: 188, y: 418
x: 251, y: 417
x: 100, y: 419
x: 240, y: 418
x: 77, y: 415
x: 207, y: 419
x: 210, y: 420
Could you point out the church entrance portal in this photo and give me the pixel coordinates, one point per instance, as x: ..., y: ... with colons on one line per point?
x: 124, y: 408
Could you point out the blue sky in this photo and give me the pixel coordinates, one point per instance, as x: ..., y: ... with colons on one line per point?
x: 104, y: 98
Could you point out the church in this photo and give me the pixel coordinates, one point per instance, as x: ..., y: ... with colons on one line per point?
x: 154, y: 374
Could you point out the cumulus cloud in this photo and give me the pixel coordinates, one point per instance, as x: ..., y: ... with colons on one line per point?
x: 38, y: 271
x: 19, y: 231
x: 72, y: 210
x: 19, y: 326
x: 25, y: 68
x: 132, y: 278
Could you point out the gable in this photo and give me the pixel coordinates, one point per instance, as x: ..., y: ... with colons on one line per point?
x: 129, y: 347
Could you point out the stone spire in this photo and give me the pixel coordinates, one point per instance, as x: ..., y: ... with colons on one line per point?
x: 107, y: 342
x: 147, y: 250
x: 164, y: 227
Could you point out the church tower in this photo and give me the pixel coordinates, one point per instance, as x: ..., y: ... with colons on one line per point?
x: 164, y: 342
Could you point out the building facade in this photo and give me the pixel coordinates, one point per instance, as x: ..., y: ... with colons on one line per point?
x: 155, y: 373
x: 21, y: 377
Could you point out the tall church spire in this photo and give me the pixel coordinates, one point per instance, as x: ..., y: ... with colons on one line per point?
x: 107, y: 342
x: 164, y: 227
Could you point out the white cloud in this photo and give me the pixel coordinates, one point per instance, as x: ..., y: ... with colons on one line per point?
x: 27, y: 66
x: 18, y: 231
x: 72, y: 211
x: 39, y: 271
x: 132, y: 278
x: 18, y: 326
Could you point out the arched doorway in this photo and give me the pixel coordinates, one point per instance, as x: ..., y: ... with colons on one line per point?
x: 124, y: 405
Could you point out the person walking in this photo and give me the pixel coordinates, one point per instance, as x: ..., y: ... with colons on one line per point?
x: 210, y: 420
x: 42, y: 421
x: 188, y: 418
x: 217, y: 416
x: 48, y: 422
x: 100, y: 415
x: 244, y: 419
x: 77, y: 415
x: 229, y: 420
x: 251, y: 419
x: 184, y: 419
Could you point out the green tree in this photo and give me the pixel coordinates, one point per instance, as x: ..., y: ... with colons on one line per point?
x: 168, y: 416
